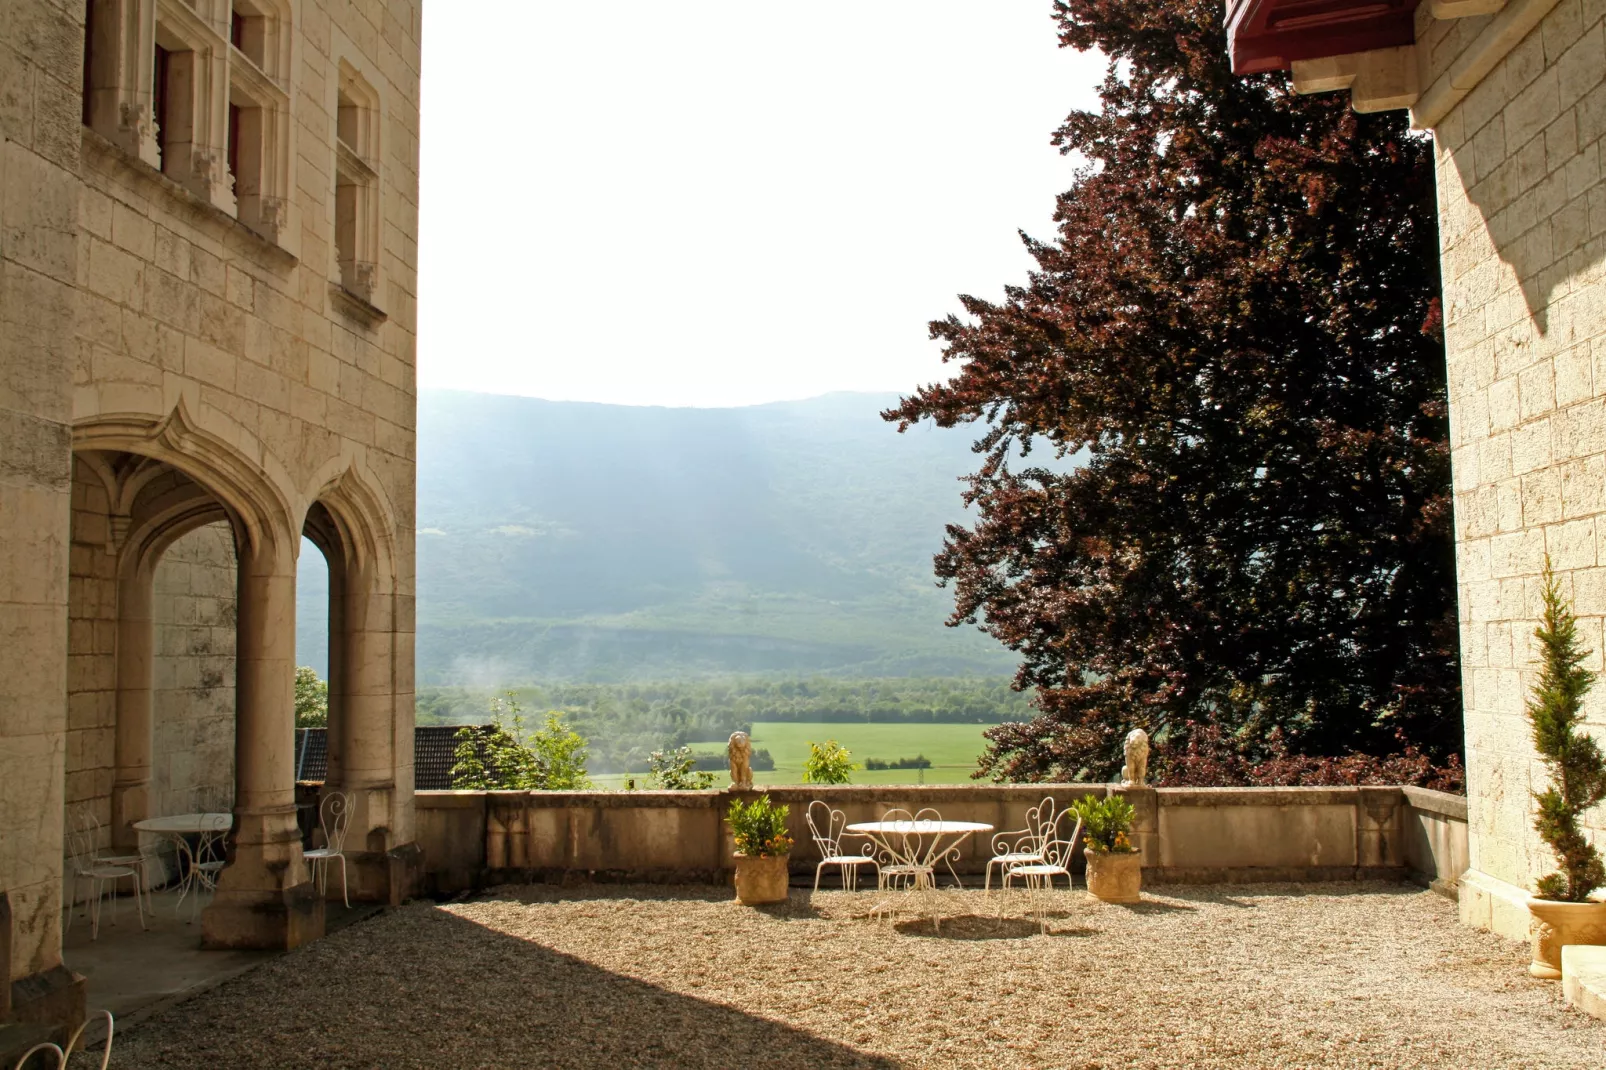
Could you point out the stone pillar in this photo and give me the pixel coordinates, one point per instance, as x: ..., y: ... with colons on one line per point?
x: 136, y: 632
x: 1145, y: 822
x: 264, y: 897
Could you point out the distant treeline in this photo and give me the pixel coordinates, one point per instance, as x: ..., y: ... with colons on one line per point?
x: 624, y: 723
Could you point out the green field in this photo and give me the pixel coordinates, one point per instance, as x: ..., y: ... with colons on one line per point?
x: 952, y: 748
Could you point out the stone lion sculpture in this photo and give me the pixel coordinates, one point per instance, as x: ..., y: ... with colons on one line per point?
x: 740, y: 753
x: 1136, y: 769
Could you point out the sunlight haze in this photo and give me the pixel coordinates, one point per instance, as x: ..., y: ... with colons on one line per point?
x: 724, y: 202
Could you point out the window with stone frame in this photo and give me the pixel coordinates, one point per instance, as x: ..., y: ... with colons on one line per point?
x: 357, y: 227
x: 199, y: 89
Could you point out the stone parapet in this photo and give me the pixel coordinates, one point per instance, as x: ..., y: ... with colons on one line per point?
x: 1191, y: 835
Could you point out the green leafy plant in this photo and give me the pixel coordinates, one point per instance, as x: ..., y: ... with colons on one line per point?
x: 1573, y: 759
x: 759, y: 828
x: 827, y: 763
x: 312, y: 699
x: 676, y: 770
x: 1106, y: 823
x: 506, y: 756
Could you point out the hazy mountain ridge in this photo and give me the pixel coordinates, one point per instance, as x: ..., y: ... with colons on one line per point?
x: 570, y: 541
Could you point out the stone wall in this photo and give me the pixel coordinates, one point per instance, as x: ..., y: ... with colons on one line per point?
x: 1187, y: 835
x: 193, y: 697
x: 1522, y: 215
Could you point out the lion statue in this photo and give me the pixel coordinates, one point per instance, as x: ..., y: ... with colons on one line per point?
x: 740, y: 752
x: 1136, y: 769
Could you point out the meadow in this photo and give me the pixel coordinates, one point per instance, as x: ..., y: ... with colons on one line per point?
x: 952, y: 748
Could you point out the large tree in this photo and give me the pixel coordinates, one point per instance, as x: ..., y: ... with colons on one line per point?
x: 1234, y: 337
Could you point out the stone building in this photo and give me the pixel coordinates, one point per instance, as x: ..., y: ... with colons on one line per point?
x: 208, y: 249
x: 1514, y: 94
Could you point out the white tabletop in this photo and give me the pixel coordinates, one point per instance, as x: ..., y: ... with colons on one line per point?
x: 182, y: 823
x: 920, y: 828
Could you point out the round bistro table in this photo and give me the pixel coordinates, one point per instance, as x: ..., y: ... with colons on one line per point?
x: 910, y: 850
x: 210, y: 828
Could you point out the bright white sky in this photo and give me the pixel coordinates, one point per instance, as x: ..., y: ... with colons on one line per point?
x: 725, y: 202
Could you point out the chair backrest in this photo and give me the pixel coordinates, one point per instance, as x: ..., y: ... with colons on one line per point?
x: 83, y: 838
x: 334, y: 815
x: 212, y: 799
x: 1057, y: 851
x: 826, y: 829
x: 1041, y: 822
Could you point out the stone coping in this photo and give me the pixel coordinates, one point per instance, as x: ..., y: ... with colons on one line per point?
x: 1437, y: 802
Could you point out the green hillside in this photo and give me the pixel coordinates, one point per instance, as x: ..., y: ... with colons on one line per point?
x: 569, y: 541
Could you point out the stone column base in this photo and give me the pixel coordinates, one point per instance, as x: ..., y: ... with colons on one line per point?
x: 391, y: 877
x: 47, y: 1005
x: 1494, y: 905
x: 263, y: 920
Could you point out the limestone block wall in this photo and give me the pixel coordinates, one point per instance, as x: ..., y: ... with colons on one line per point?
x: 1522, y: 213
x: 193, y: 694
x: 92, y: 653
x: 39, y: 109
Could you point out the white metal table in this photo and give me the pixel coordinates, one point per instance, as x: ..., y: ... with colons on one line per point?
x: 910, y: 849
x: 209, y: 829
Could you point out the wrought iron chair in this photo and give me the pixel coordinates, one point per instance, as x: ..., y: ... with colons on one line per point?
x: 65, y: 1054
x: 200, y: 864
x: 911, y: 864
x: 1022, y: 847
x: 826, y: 831
x: 102, y: 878
x: 1039, y: 876
x: 84, y: 817
x: 334, y: 815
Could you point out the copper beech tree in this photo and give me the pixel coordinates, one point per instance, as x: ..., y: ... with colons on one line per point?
x: 1233, y: 337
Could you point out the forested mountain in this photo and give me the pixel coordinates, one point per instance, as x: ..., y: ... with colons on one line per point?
x: 563, y: 541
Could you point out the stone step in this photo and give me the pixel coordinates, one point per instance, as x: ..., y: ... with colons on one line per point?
x: 1583, y: 978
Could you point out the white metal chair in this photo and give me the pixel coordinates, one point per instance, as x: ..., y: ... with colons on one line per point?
x: 1021, y: 847
x: 200, y: 865
x: 64, y: 1054
x: 901, y: 863
x: 827, y: 834
x: 1039, y: 876
x: 84, y: 818
x: 102, y: 879
x: 334, y: 815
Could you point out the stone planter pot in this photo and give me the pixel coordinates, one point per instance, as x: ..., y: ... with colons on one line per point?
x: 1114, y: 877
x: 761, y: 879
x: 1556, y: 925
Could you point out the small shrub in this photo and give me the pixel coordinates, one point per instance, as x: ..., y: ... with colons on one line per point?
x: 827, y: 763
x: 1106, y: 823
x: 759, y: 828
x: 505, y: 756
x: 312, y: 699
x: 1573, y: 759
x: 676, y: 771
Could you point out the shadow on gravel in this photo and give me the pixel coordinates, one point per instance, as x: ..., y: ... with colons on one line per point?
x: 441, y: 990
x: 986, y: 927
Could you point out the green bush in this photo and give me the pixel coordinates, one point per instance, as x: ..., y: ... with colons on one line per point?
x: 759, y: 828
x: 1573, y: 759
x: 827, y: 763
x: 505, y: 756
x: 1106, y: 823
x: 312, y: 699
x: 676, y: 771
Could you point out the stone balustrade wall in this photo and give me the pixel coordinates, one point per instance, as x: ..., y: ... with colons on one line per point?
x: 1191, y: 835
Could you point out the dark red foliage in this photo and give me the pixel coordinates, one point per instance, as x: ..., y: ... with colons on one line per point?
x: 1209, y: 759
x: 1234, y: 335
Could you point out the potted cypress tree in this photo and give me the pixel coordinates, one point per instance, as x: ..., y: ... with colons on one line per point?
x: 763, y: 848
x: 1563, y: 912
x: 1114, y: 867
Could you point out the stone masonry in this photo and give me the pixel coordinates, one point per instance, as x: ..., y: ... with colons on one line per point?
x: 208, y: 249
x: 1514, y: 93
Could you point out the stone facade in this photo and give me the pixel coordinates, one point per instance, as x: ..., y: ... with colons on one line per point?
x: 1514, y: 93
x: 208, y: 223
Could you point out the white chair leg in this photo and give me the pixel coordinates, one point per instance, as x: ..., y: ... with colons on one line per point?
x: 817, y: 870
x: 343, y: 893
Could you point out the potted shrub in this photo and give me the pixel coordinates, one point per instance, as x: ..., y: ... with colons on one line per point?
x: 1563, y: 912
x: 762, y: 850
x: 1114, y: 867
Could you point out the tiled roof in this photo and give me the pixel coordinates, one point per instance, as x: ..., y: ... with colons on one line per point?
x: 434, y: 754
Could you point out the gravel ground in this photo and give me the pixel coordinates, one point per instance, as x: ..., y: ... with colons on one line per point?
x: 1372, y: 975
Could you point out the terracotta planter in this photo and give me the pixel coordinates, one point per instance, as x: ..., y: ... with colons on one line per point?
x: 761, y: 879
x: 1556, y: 925
x: 1114, y: 877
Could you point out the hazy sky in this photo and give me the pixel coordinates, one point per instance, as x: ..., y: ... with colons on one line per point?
x: 722, y: 202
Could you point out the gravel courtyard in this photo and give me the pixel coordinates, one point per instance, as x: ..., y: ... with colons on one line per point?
x: 1373, y: 975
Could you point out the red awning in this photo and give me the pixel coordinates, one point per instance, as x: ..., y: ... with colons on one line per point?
x: 1268, y: 35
